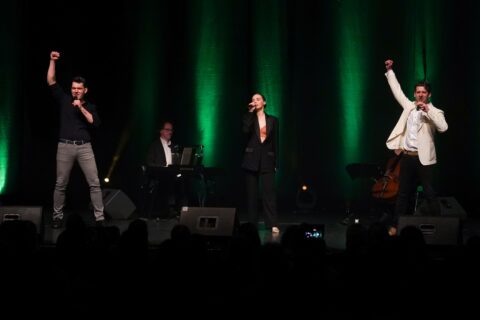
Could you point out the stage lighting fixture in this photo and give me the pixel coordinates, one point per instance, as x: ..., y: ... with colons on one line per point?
x: 306, y: 198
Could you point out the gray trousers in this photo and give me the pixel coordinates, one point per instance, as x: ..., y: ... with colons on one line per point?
x: 66, y: 156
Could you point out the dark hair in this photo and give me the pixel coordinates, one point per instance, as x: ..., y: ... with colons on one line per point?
x: 163, y: 123
x: 79, y: 79
x: 425, y: 84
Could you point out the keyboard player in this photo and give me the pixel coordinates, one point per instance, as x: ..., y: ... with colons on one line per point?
x: 164, y: 191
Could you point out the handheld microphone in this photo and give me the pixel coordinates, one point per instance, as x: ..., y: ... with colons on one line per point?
x: 82, y: 104
x: 73, y: 101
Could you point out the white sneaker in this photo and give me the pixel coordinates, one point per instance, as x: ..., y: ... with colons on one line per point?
x: 275, y: 230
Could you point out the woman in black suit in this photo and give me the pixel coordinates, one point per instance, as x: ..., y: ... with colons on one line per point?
x: 260, y: 160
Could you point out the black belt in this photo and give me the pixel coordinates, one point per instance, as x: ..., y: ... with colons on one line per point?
x: 76, y: 142
x: 411, y: 153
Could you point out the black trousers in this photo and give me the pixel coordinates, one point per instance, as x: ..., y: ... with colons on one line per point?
x: 412, y: 172
x: 269, y: 197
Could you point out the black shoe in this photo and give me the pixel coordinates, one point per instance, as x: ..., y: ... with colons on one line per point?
x: 57, y: 223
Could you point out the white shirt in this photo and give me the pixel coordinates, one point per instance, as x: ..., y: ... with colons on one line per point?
x: 168, y: 151
x: 413, y: 122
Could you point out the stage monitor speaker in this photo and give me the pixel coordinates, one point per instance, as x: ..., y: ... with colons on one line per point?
x: 208, y: 221
x: 449, y: 207
x: 33, y: 214
x: 117, y: 204
x: 436, y: 230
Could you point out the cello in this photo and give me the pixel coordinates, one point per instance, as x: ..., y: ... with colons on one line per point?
x: 386, y: 187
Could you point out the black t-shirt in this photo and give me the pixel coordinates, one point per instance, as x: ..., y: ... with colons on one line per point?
x: 73, y: 124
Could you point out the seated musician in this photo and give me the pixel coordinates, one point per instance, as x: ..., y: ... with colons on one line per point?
x: 165, y: 191
x: 160, y: 152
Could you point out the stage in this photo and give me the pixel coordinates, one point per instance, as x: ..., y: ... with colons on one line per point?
x: 335, y: 226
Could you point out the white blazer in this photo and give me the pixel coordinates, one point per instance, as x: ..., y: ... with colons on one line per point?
x: 430, y: 122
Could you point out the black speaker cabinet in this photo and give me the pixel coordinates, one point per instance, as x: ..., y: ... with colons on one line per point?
x: 449, y: 207
x: 33, y: 214
x: 117, y: 204
x: 436, y: 230
x: 208, y: 221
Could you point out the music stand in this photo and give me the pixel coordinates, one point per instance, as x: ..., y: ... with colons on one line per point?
x: 360, y: 171
x: 188, y: 155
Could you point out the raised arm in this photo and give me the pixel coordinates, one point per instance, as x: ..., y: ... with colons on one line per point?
x: 51, y: 79
x: 395, y: 86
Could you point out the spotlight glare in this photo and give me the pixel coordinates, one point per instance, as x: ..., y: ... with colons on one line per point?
x: 306, y: 198
x: 107, y: 180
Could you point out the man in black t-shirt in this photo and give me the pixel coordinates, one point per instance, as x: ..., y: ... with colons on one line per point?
x: 77, y: 117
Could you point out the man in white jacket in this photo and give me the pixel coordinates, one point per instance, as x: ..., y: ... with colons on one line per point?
x: 413, y: 138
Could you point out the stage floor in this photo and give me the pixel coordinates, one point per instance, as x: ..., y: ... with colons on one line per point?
x: 335, y: 225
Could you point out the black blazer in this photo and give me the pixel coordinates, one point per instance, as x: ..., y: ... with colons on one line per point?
x: 258, y: 156
x: 156, y: 155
